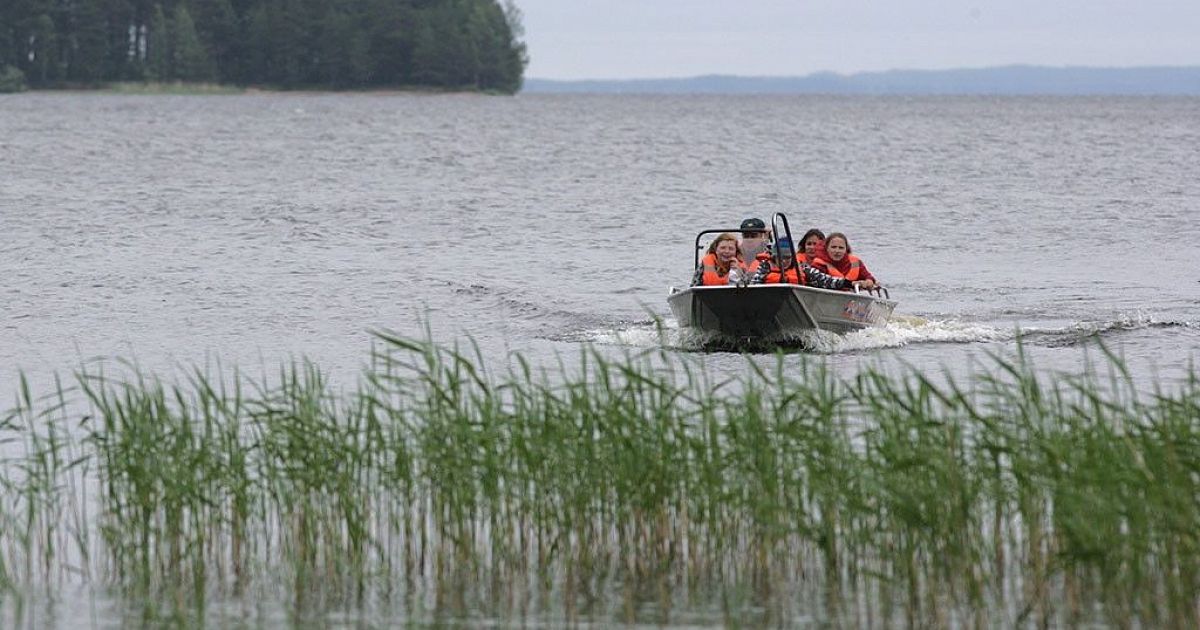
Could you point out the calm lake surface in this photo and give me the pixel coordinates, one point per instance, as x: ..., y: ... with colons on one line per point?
x: 252, y: 229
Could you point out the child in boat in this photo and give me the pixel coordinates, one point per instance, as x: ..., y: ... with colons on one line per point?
x: 843, y: 264
x: 769, y: 273
x: 813, y: 245
x: 722, y: 257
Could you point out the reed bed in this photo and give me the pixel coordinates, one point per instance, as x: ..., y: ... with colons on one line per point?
x: 629, y: 489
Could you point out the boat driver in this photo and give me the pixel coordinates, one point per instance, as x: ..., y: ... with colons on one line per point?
x: 755, y: 239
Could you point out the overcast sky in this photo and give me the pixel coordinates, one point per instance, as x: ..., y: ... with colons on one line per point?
x: 611, y: 39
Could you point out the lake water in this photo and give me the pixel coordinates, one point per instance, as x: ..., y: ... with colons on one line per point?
x: 251, y: 229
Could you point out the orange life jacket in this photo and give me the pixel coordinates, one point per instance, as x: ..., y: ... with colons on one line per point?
x: 816, y: 257
x: 852, y: 273
x: 711, y: 274
x: 791, y: 276
x: 751, y: 267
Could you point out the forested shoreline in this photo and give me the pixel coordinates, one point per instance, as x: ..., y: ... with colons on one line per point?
x: 333, y: 44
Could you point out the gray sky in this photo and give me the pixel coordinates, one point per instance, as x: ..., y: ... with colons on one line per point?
x: 609, y: 39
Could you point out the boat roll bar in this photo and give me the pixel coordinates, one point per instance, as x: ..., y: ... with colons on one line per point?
x: 787, y: 231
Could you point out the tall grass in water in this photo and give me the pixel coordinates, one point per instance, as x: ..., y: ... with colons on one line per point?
x: 620, y: 488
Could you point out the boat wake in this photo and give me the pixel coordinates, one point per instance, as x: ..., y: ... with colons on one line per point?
x: 1083, y: 332
x: 902, y: 330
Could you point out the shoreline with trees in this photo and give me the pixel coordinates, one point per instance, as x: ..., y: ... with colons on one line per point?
x: 420, y: 45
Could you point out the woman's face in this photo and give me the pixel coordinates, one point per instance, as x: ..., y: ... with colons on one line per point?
x: 812, y: 245
x: 836, y: 248
x: 727, y: 250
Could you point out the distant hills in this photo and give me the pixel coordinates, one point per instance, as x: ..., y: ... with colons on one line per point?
x: 1017, y: 79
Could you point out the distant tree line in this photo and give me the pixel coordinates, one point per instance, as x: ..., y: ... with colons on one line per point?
x: 456, y: 44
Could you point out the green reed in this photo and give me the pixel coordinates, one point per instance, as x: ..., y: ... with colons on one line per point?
x: 890, y: 497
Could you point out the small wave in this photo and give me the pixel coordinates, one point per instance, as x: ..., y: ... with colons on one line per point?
x: 1081, y: 332
x: 642, y: 334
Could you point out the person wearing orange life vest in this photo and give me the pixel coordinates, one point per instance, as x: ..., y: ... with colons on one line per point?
x: 722, y: 255
x: 770, y: 273
x: 813, y: 245
x: 843, y: 264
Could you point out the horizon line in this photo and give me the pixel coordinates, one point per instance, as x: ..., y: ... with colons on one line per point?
x: 827, y: 73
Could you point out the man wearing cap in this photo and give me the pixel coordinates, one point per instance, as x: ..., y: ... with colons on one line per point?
x: 754, y: 240
x: 770, y: 273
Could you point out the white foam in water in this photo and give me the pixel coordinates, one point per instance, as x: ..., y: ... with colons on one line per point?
x: 904, y: 330
x: 901, y: 331
x: 1135, y: 320
x: 641, y: 335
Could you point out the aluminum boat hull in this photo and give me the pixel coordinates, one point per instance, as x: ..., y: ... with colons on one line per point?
x: 775, y: 312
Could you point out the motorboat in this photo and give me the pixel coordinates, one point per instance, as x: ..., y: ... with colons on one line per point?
x: 773, y: 313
